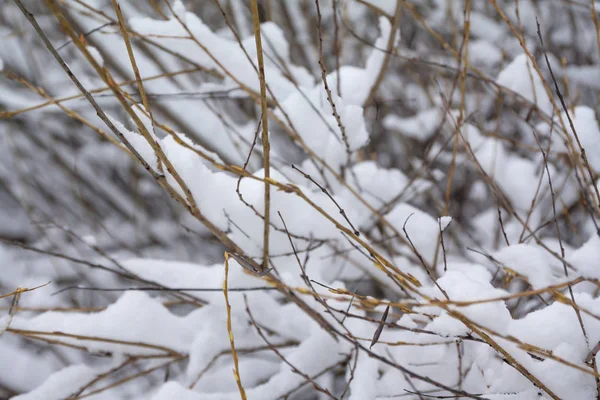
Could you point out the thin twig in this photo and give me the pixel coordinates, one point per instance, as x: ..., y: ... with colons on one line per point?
x: 236, y: 370
x: 265, y: 133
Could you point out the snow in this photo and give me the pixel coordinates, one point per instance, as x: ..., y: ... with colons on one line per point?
x: 421, y: 228
x: 95, y: 55
x: 420, y: 127
x: 62, y: 384
x: 520, y: 77
x: 4, y: 323
x: 313, y: 125
x: 533, y: 262
x: 483, y: 52
x: 16, y: 366
x: 380, y: 185
x: 253, y: 370
x: 357, y: 83
x: 133, y: 319
x: 585, y: 258
x: 486, y: 28
x: 588, y: 133
x: 588, y: 75
x: 173, y: 390
x: 364, y: 385
x: 447, y: 326
x: 444, y: 222
x: 462, y: 287
x: 222, y: 51
x: 309, y: 357
x: 550, y: 335
x: 179, y: 10
x: 516, y: 176
x: 388, y: 7
x: 565, y: 340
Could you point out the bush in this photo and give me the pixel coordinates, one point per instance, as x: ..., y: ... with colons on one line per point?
x: 405, y: 194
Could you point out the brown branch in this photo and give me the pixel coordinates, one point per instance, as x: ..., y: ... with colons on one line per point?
x: 265, y: 133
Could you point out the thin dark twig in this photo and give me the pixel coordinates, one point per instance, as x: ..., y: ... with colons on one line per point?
x: 305, y: 277
x: 66, y: 257
x: 562, y: 249
x: 443, y: 245
x: 342, y: 212
x: 566, y: 110
x: 352, y: 370
x: 160, y: 289
x: 351, y: 300
x: 328, y: 90
x: 502, y: 226
x: 111, y: 23
x: 433, y: 396
x: 87, y: 94
x: 421, y: 259
x: 281, y: 356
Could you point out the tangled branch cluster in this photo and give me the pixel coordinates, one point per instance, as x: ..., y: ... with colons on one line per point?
x: 405, y: 193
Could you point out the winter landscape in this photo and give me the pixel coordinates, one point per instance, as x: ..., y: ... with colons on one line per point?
x: 299, y: 199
